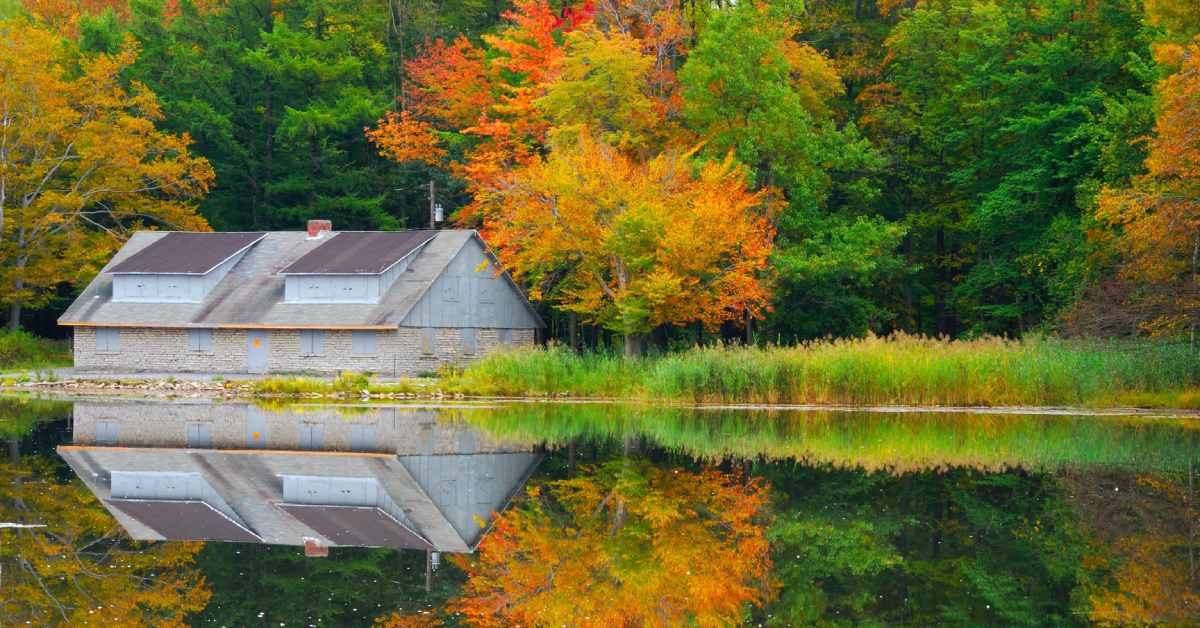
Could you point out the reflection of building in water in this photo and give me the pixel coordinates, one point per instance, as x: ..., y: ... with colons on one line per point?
x: 360, y: 476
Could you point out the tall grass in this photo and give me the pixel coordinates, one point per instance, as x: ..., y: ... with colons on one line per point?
x: 23, y: 350
x: 899, y: 369
x: 345, y: 384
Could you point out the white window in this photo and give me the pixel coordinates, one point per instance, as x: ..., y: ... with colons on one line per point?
x: 351, y: 289
x: 362, y: 343
x: 200, y: 340
x: 504, y: 336
x: 314, y: 288
x: 172, y: 288
x: 108, y: 340
x: 312, y: 342
x: 468, y: 340
x: 106, y: 432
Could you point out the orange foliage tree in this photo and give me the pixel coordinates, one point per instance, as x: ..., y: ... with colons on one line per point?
x: 579, y: 173
x: 486, y: 95
x: 81, y: 163
x: 633, y: 245
x: 627, y: 544
x: 1158, y: 217
x: 81, y: 569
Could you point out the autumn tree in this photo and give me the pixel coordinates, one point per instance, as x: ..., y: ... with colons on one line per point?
x: 750, y: 87
x: 567, y: 127
x: 627, y: 544
x: 482, y: 99
x: 602, y: 82
x: 81, y: 569
x: 81, y: 163
x: 1157, y: 219
x: 633, y: 245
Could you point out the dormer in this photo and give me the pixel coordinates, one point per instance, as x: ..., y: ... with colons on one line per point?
x: 179, y: 267
x: 352, y: 266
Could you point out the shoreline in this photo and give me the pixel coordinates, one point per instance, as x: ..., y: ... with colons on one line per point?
x: 428, y: 391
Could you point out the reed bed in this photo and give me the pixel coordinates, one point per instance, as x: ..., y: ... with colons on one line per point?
x: 21, y: 350
x: 345, y: 384
x: 899, y: 369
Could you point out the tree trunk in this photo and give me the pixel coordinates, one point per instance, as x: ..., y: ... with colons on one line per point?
x: 14, y: 308
x: 573, y: 330
x: 14, y: 316
x: 749, y: 328
x: 633, y: 345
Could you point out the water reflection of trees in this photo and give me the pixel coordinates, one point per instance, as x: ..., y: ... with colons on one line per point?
x: 964, y: 547
x: 885, y: 520
x: 926, y: 518
x: 81, y: 568
x: 1142, y: 534
x: 624, y: 543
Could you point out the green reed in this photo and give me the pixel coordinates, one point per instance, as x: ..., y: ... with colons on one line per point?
x: 898, y: 369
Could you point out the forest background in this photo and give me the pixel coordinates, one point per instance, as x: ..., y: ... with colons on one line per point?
x: 647, y: 168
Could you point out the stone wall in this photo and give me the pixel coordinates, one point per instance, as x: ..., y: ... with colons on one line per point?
x: 399, y: 430
x: 398, y: 352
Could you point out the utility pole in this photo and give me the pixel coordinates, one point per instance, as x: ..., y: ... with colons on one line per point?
x: 433, y: 559
x: 432, y: 206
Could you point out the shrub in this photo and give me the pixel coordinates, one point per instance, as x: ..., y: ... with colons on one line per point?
x: 22, y: 350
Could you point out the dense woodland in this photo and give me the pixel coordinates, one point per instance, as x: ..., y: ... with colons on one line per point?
x: 825, y: 167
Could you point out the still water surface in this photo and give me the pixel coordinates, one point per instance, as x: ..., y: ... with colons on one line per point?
x: 199, y: 513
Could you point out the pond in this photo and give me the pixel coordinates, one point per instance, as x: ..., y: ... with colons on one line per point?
x: 227, y: 514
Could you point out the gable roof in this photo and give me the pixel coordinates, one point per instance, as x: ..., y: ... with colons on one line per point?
x: 359, y: 252
x: 252, y: 294
x: 187, y: 253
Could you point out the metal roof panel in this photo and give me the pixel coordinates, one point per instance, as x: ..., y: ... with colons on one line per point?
x: 359, y: 526
x: 359, y: 252
x: 185, y: 520
x: 187, y: 253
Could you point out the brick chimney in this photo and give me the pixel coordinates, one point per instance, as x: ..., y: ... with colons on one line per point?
x: 315, y: 549
x: 318, y: 228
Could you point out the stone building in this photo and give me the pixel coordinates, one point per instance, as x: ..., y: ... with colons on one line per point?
x: 320, y: 301
x: 374, y: 476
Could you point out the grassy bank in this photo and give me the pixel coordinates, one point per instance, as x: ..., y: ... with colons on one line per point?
x: 344, y: 385
x: 21, y: 350
x: 896, y: 370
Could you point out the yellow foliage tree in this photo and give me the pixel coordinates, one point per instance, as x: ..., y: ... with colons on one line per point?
x: 632, y: 245
x: 602, y: 82
x: 81, y: 569
x: 81, y: 163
